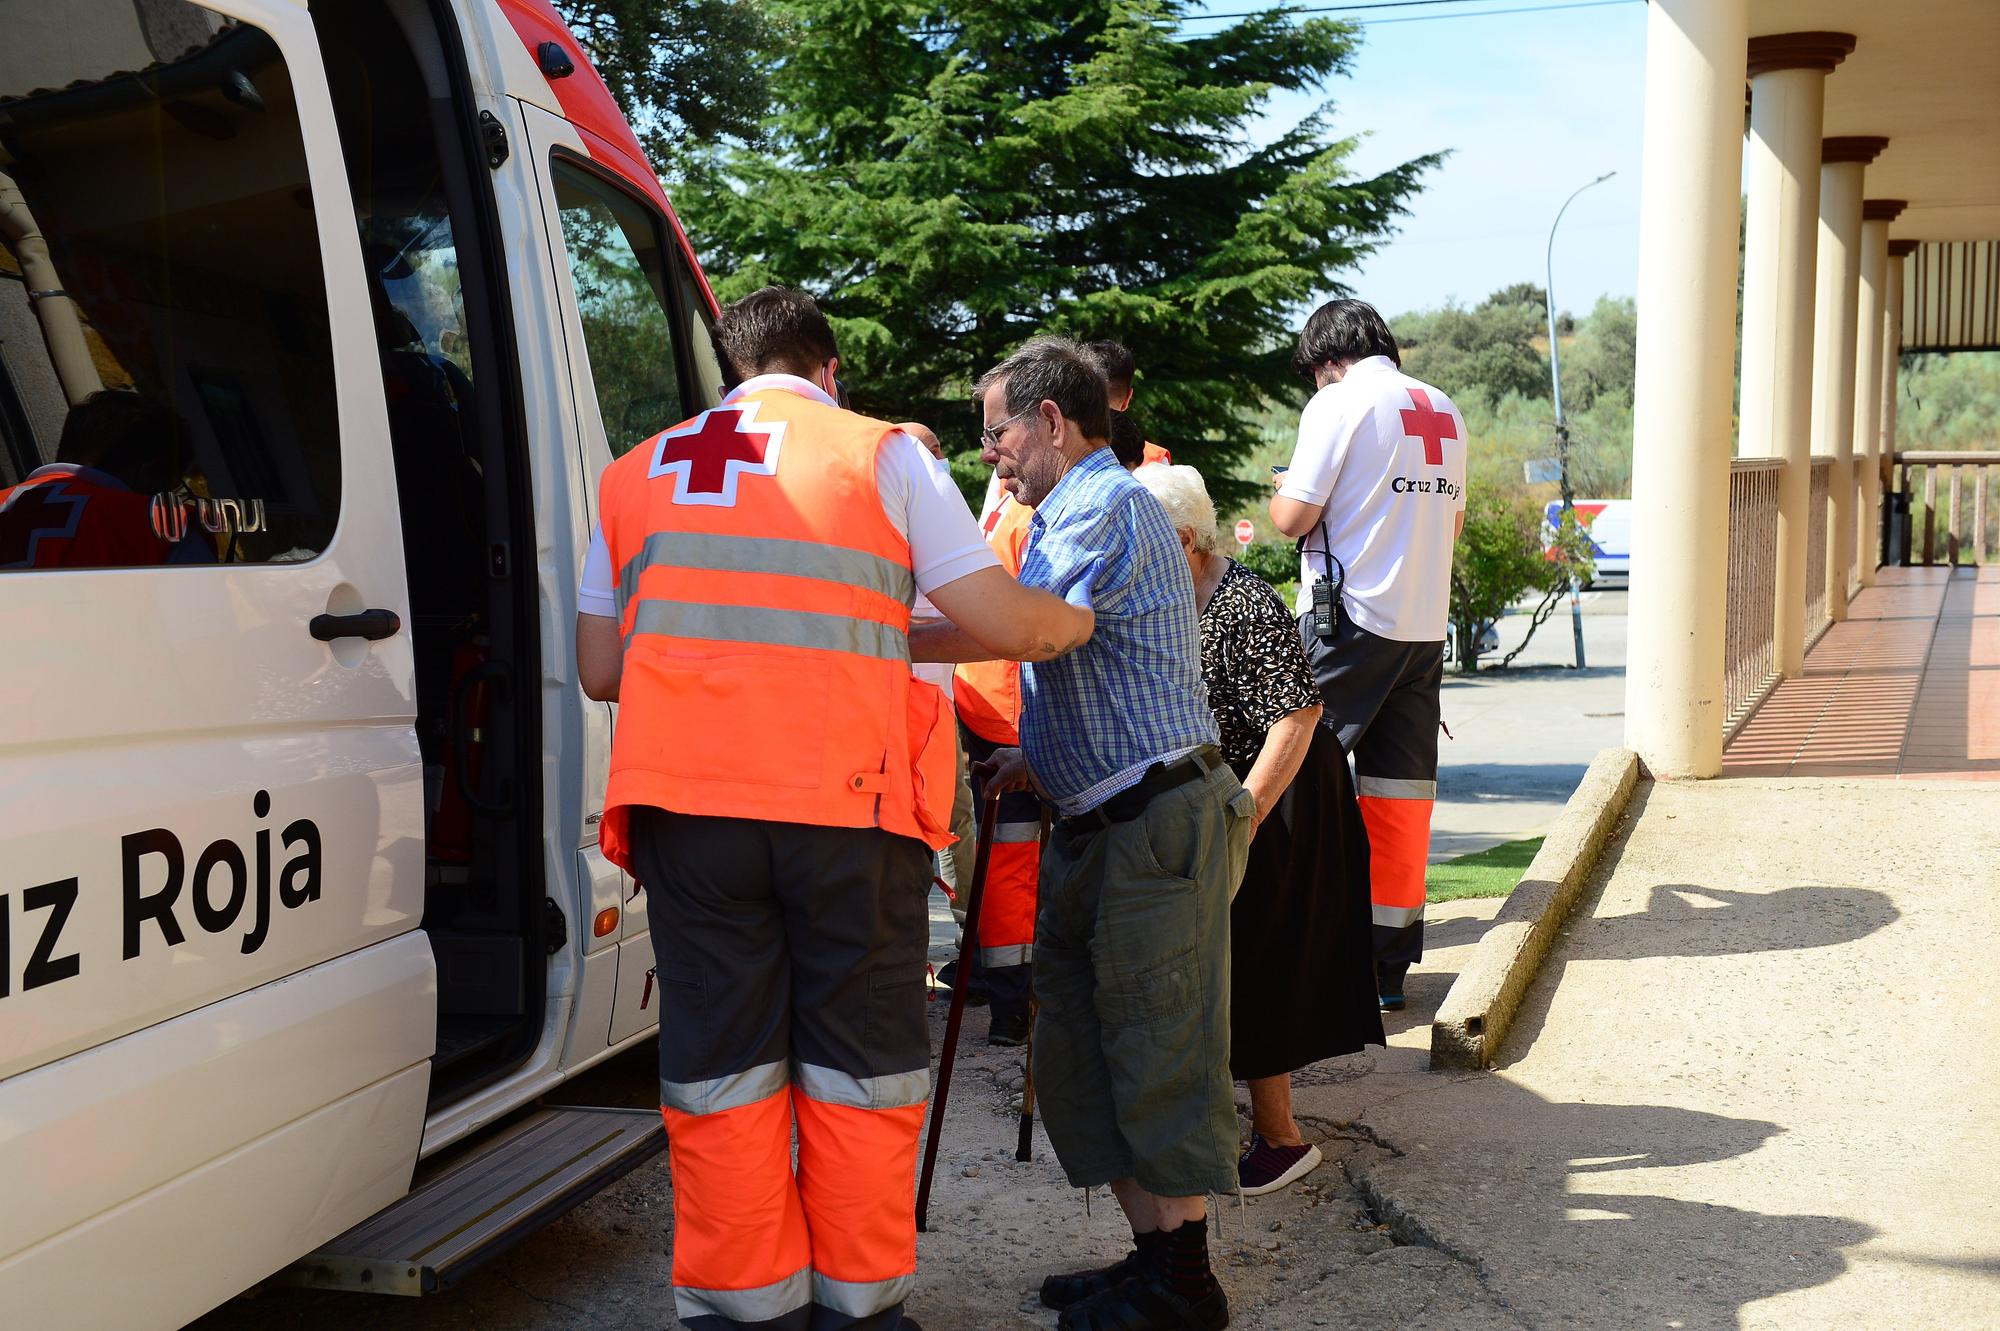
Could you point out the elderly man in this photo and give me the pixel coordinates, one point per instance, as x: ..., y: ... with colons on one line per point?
x: 1131, y: 964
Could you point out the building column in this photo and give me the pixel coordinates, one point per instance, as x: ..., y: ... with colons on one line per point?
x: 1684, y: 382
x: 1892, y: 354
x: 1871, y: 304
x: 1780, y: 241
x: 1835, y: 320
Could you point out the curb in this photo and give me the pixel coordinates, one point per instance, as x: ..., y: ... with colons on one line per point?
x: 1476, y: 1013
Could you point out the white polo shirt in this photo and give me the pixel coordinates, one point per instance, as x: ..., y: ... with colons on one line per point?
x: 1385, y: 454
x: 919, y: 498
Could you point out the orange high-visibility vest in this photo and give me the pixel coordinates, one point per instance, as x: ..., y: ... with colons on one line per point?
x: 988, y: 693
x: 764, y: 598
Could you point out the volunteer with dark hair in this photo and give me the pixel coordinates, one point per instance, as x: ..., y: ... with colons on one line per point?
x: 1376, y: 496
x: 1132, y: 933
x: 1115, y: 363
x: 777, y: 781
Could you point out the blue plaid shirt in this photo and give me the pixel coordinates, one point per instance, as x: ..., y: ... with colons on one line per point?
x: 1093, y: 721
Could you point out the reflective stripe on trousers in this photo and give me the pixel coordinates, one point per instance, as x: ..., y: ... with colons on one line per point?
x: 1397, y: 812
x: 1013, y: 869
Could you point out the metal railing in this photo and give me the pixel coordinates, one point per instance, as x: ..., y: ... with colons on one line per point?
x: 1951, y: 534
x: 1749, y: 666
x: 1819, y: 521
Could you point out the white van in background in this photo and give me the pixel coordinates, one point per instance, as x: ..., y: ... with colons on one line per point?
x: 1609, y: 523
x: 299, y: 877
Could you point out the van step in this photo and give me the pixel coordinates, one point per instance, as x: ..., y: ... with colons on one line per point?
x: 484, y: 1201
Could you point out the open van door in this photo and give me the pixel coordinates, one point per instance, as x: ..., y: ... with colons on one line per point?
x: 640, y: 358
x: 216, y: 1008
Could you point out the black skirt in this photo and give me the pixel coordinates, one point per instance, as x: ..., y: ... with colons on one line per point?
x: 1302, y: 973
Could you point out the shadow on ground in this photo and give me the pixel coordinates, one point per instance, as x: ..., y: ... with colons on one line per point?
x: 1554, y: 1209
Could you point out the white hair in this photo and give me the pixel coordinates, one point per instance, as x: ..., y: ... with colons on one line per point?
x: 1184, y: 495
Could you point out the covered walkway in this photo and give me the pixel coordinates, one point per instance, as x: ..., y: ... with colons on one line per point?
x: 1907, y: 686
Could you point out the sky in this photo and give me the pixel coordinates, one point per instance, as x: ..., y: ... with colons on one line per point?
x: 1531, y: 105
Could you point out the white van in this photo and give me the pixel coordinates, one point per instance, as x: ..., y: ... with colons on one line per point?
x: 318, y: 327
x: 1609, y: 523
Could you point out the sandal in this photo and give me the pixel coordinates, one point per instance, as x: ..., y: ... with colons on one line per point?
x: 1144, y: 1303
x: 1073, y: 1287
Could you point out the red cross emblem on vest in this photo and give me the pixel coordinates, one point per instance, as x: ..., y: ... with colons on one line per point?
x: 1428, y: 424
x: 708, y: 454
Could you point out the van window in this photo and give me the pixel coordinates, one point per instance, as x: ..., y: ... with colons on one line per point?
x: 619, y: 262
x: 703, y: 358
x: 168, y: 391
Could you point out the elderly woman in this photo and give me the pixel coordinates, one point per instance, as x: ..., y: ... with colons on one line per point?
x: 1301, y: 984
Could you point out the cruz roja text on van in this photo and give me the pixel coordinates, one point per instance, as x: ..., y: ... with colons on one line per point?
x: 225, y: 883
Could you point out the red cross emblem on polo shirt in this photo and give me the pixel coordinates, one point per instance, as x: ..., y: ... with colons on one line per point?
x: 1422, y: 421
x: 708, y: 454
x: 34, y: 513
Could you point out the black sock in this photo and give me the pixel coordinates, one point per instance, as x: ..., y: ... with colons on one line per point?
x: 1152, y: 1250
x: 1184, y: 1260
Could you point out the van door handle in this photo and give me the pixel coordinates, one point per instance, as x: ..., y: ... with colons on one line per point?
x: 373, y: 625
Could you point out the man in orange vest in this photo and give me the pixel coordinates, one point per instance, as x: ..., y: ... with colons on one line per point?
x: 777, y: 783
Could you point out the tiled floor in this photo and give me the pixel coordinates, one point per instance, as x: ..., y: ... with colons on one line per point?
x: 1907, y: 686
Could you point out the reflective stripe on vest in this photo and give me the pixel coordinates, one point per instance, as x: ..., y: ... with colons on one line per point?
x: 719, y: 552
x: 771, y: 627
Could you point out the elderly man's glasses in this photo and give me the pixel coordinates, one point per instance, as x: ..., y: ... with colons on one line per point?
x: 991, y: 433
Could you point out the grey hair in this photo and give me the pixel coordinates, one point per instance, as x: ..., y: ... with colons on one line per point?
x: 1052, y: 369
x: 1184, y: 495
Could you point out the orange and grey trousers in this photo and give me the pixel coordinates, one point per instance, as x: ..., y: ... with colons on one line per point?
x: 1006, y: 940
x: 1382, y: 697
x: 791, y: 962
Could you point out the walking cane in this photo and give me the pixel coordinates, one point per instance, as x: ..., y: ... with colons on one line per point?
x: 1024, y: 1145
x: 988, y: 816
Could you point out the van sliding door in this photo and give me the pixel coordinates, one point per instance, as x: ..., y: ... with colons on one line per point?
x: 211, y: 824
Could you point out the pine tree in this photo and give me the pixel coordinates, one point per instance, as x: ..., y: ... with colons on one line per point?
x: 953, y: 176
x: 676, y: 67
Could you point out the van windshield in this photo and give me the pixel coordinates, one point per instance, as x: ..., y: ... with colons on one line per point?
x: 168, y: 392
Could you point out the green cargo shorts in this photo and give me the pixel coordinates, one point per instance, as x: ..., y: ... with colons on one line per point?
x: 1132, y: 978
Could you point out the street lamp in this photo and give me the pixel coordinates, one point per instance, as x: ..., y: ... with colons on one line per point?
x: 1562, y: 425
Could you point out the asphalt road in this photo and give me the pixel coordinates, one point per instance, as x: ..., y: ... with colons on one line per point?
x: 1519, y: 739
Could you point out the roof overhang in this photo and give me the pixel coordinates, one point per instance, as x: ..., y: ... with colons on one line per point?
x: 1925, y: 74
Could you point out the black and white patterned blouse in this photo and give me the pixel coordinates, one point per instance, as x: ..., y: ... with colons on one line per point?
x: 1252, y: 661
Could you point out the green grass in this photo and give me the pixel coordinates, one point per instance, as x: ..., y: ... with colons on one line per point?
x: 1490, y: 873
